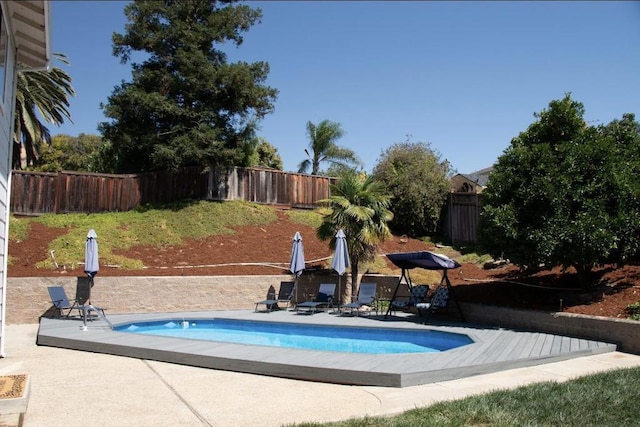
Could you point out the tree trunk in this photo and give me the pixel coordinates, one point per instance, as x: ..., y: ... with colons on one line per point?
x: 344, y: 295
x: 354, y: 275
x: 585, y: 278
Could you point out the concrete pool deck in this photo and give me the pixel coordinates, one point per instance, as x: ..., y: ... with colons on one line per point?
x: 106, y: 390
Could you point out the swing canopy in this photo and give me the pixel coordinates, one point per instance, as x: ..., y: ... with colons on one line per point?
x: 422, y: 259
x: 428, y: 261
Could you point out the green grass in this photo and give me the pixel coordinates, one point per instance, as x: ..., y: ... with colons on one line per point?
x: 312, y: 218
x: 162, y: 227
x: 604, y: 399
x: 474, y: 258
x: 167, y: 226
x: 18, y: 229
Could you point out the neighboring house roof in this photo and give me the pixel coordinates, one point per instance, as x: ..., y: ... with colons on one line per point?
x: 480, y: 177
x: 31, y: 24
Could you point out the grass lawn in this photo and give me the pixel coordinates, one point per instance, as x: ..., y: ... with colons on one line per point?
x: 605, y: 399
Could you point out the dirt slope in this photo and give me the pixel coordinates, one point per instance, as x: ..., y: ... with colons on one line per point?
x: 271, y: 245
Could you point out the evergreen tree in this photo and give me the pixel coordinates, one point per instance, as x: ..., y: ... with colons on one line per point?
x: 565, y: 193
x: 186, y: 105
x: 418, y: 180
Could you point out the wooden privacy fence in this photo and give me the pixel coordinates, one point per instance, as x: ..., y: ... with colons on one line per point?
x: 271, y: 187
x: 35, y: 193
x: 462, y: 217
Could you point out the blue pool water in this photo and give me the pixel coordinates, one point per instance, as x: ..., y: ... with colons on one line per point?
x: 310, y: 337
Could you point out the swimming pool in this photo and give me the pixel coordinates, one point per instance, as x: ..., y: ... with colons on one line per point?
x: 298, y: 336
x: 493, y: 349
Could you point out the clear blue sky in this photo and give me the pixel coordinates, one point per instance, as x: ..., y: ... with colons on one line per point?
x: 465, y: 76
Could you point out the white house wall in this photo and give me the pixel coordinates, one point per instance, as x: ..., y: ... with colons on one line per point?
x: 28, y: 27
x: 7, y: 106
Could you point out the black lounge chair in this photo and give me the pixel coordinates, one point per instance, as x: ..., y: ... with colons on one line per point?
x: 61, y: 302
x: 324, y: 298
x: 366, y: 297
x: 285, y: 294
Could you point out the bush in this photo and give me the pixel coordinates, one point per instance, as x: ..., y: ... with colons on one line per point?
x: 634, y: 310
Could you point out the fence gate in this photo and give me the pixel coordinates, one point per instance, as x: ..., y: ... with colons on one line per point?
x: 462, y: 217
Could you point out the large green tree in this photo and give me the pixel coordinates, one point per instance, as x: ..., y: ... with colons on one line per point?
x: 359, y: 206
x: 72, y: 153
x: 39, y: 95
x: 565, y: 193
x: 323, y: 139
x: 418, y: 181
x: 186, y: 105
x: 262, y: 154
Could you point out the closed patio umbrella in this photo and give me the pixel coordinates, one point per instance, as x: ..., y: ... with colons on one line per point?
x: 91, y: 264
x: 91, y: 268
x: 340, y: 261
x: 296, y: 265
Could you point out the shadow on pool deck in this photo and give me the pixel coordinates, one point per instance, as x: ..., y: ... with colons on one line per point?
x: 493, y: 350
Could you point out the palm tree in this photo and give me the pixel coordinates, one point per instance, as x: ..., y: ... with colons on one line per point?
x: 359, y: 206
x: 322, y: 142
x: 39, y: 94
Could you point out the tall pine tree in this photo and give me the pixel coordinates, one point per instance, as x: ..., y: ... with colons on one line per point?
x: 186, y: 105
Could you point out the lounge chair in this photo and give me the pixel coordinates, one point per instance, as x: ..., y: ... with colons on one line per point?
x: 324, y: 298
x: 61, y: 302
x: 285, y: 294
x: 439, y: 299
x: 418, y: 295
x: 366, y: 297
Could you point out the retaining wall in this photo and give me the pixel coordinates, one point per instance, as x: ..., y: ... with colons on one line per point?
x: 28, y: 300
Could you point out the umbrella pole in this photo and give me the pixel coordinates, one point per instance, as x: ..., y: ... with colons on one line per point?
x: 339, y: 291
x: 90, y: 286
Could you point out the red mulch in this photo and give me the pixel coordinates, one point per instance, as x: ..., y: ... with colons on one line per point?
x: 271, y: 244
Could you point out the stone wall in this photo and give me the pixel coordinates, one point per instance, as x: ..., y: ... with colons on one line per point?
x: 28, y: 298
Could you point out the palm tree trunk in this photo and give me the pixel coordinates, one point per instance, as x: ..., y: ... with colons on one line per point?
x: 354, y: 275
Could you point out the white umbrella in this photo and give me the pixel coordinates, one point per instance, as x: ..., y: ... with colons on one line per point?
x: 91, y: 268
x: 296, y: 265
x: 340, y: 261
x: 91, y: 264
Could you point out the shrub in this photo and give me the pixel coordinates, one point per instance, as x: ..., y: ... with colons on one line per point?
x: 634, y: 310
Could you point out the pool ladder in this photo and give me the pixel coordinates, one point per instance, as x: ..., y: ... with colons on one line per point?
x: 87, y: 309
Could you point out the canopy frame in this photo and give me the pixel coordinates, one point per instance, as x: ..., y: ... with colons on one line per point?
x: 429, y: 261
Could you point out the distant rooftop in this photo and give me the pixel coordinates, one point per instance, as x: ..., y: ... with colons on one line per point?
x: 480, y: 177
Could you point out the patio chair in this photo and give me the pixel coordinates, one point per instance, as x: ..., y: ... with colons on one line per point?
x: 439, y: 300
x: 418, y: 295
x: 285, y: 294
x: 366, y: 297
x: 61, y: 302
x: 324, y: 298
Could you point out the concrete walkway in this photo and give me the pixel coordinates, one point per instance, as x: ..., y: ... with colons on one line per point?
x: 71, y: 387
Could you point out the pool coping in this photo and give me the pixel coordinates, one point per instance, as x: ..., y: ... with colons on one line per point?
x: 494, y: 349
